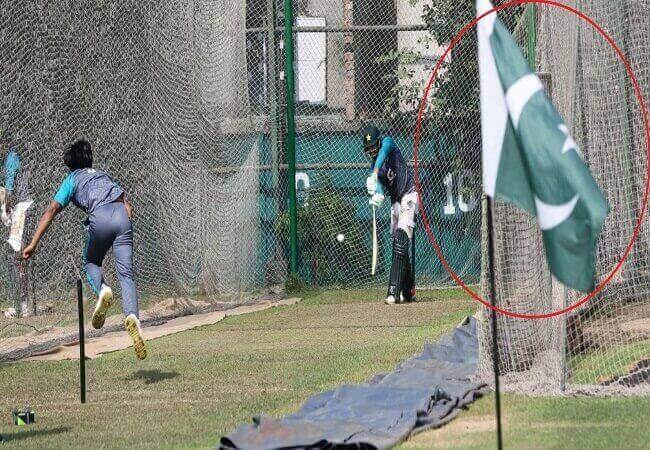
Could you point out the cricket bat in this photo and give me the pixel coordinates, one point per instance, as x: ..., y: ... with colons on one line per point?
x: 375, y: 243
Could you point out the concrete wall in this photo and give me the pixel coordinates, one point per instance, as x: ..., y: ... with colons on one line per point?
x: 332, y: 11
x: 338, y: 91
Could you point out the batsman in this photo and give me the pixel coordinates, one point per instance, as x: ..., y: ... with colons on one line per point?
x: 391, y: 174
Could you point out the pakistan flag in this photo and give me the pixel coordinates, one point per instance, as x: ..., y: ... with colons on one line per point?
x: 530, y: 160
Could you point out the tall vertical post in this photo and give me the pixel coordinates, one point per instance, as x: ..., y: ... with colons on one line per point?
x: 291, y: 133
x: 531, y: 35
x: 82, y: 343
x: 413, y: 253
x: 273, y: 95
x: 563, y: 341
x: 348, y: 61
x: 493, y: 320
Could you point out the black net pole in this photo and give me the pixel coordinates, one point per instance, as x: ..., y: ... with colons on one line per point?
x: 493, y: 320
x: 82, y: 344
x: 413, y: 254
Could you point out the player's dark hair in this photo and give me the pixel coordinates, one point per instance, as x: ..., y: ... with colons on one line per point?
x: 78, y: 156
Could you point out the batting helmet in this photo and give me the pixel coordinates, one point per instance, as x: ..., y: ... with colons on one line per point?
x: 371, y: 140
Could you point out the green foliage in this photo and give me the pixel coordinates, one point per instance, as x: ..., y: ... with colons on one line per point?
x: 324, y: 259
x: 452, y: 116
x: 457, y: 87
x: 453, y: 105
x: 404, y: 94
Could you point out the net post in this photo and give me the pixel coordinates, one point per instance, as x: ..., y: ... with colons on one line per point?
x: 531, y: 35
x: 82, y: 344
x: 563, y: 340
x: 493, y: 319
x: 291, y: 133
x: 413, y: 252
x: 273, y: 96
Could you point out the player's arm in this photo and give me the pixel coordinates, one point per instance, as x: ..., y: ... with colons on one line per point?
x: 127, y: 204
x: 61, y: 200
x: 374, y: 185
x: 379, y: 188
x: 387, y: 146
x: 43, y: 224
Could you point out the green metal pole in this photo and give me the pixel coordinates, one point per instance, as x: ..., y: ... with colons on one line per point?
x: 275, y: 121
x: 273, y: 97
x: 531, y: 36
x: 291, y: 133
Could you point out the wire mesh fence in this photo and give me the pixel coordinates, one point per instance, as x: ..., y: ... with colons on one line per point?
x: 185, y: 105
x: 602, y: 346
x: 145, y: 83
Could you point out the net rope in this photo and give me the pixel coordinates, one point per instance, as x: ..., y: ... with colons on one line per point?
x: 185, y: 105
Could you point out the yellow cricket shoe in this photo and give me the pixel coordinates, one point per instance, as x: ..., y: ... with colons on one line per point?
x: 104, y: 302
x: 132, y: 325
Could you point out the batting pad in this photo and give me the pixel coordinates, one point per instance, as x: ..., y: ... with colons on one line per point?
x: 18, y: 225
x: 6, y: 220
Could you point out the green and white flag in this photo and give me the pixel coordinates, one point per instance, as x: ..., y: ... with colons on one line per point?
x: 530, y: 160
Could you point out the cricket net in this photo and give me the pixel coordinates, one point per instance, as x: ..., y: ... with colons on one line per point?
x: 184, y: 102
x: 145, y: 82
x: 603, y: 346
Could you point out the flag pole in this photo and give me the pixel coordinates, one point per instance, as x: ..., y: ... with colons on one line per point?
x: 493, y: 320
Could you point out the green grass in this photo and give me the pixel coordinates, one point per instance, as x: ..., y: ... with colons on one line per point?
x: 199, y: 385
x: 545, y: 423
x: 588, y: 368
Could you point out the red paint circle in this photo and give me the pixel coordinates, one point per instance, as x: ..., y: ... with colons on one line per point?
x: 644, y: 112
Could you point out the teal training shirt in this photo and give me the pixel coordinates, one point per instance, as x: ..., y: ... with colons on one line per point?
x: 88, y: 189
x: 64, y: 194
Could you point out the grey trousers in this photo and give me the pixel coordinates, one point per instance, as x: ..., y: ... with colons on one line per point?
x: 110, y: 226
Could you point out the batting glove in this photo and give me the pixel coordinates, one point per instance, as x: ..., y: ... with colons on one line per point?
x: 371, y: 184
x: 376, y: 200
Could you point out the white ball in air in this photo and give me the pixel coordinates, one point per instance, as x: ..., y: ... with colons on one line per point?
x: 340, y: 237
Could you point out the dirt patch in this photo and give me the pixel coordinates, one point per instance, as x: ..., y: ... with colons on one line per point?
x: 638, y: 373
x: 627, y: 323
x: 119, y: 340
x: 463, y: 432
x: 448, y: 435
x: 469, y: 425
x: 637, y: 326
x: 46, y: 340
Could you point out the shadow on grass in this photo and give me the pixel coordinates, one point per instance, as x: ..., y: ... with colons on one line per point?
x: 152, y: 376
x: 10, y: 437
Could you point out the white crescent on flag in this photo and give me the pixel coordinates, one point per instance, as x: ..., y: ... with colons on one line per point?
x: 550, y: 216
x: 527, y: 156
